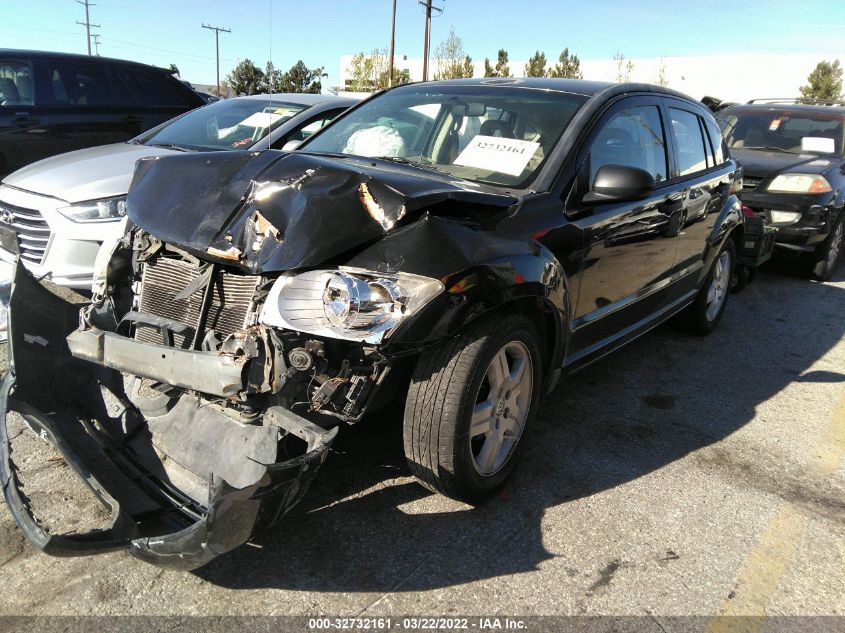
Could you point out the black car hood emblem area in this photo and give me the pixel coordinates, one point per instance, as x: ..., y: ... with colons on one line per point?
x: 273, y: 211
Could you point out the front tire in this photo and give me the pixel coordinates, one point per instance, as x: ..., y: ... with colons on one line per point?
x: 706, y: 311
x: 831, y: 252
x: 470, y: 404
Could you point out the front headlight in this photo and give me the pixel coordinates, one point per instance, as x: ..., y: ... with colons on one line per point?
x: 347, y: 303
x: 103, y: 210
x: 800, y: 183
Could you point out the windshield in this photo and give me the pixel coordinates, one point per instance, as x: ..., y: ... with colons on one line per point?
x: 783, y: 131
x: 493, y: 134
x: 230, y: 124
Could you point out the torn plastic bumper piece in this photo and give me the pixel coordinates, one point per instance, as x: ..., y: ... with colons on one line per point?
x: 153, y: 515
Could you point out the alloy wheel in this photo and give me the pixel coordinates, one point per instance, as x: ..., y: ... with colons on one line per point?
x: 718, y: 286
x: 501, y: 408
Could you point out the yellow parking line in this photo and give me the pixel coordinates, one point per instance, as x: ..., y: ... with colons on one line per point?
x: 767, y: 562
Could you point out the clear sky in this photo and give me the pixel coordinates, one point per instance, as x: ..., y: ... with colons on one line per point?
x: 162, y: 32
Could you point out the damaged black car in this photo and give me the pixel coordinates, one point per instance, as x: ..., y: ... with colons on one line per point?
x: 459, y: 245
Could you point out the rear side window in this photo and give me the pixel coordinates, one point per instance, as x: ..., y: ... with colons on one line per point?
x: 72, y: 83
x: 633, y: 137
x: 16, y: 85
x: 692, y: 156
x: 154, y: 89
x: 716, y: 140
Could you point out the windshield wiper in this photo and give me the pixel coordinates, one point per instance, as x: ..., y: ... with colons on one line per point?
x: 413, y: 163
x: 769, y: 148
x: 181, y: 148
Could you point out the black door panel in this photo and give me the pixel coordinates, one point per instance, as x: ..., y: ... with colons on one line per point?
x: 629, y: 246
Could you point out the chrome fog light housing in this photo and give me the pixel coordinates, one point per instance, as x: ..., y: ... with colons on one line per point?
x: 347, y: 303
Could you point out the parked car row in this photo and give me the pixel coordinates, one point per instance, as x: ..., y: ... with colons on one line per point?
x: 462, y: 245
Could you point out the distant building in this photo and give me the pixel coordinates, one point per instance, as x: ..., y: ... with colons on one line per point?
x: 738, y: 77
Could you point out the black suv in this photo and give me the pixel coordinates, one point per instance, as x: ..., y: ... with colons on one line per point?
x: 791, y: 152
x: 461, y: 245
x: 51, y: 103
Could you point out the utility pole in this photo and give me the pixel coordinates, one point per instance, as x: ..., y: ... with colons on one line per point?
x: 217, y: 30
x: 429, y: 7
x: 96, y: 37
x: 392, y: 46
x: 87, y: 24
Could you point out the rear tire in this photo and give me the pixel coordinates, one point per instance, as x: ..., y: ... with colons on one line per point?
x: 706, y: 311
x: 469, y: 407
x: 831, y: 252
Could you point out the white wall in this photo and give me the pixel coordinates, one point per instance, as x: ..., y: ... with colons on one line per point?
x: 728, y: 77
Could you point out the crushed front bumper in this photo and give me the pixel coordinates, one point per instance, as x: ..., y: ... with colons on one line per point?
x: 183, y: 485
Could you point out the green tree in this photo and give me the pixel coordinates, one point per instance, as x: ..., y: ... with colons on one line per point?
x: 567, y: 67
x: 825, y: 82
x: 536, y: 66
x: 501, y: 69
x: 245, y: 79
x: 624, y: 68
x: 300, y: 78
x: 369, y: 72
x: 174, y: 70
x: 450, y: 59
x: 272, y: 78
x: 399, y: 77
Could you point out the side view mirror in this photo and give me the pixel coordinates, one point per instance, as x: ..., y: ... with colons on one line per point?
x: 291, y: 145
x: 619, y: 183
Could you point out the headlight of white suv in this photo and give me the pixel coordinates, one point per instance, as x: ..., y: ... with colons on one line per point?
x: 347, y: 303
x: 96, y: 210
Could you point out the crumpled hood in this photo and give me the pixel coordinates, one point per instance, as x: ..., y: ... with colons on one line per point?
x: 86, y: 174
x: 762, y: 164
x: 272, y: 211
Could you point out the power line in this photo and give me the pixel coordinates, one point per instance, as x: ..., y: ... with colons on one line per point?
x: 217, y: 30
x: 87, y: 24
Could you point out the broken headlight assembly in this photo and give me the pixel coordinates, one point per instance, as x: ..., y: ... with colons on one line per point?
x: 347, y: 303
x: 107, y: 209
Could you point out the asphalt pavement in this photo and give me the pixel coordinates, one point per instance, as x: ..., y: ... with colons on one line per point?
x: 681, y: 476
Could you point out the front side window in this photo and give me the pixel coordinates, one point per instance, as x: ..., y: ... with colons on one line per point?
x: 692, y: 156
x: 783, y: 131
x: 498, y: 135
x: 15, y: 83
x: 632, y: 137
x: 230, y: 124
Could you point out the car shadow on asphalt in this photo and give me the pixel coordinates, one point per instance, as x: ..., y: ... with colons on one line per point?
x: 366, y: 526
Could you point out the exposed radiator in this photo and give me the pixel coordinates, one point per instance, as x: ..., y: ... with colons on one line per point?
x: 164, y: 278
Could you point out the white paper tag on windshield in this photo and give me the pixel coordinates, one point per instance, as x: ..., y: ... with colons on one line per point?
x: 818, y: 144
x: 261, y: 119
x: 505, y: 155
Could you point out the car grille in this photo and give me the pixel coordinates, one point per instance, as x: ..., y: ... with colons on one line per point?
x: 164, y: 278
x: 31, y: 228
x: 749, y: 183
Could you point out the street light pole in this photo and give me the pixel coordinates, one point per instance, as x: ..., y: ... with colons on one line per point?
x: 392, y: 46
x: 217, y: 30
x: 427, y: 38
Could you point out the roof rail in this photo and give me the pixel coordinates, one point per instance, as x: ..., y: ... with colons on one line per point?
x: 800, y: 101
